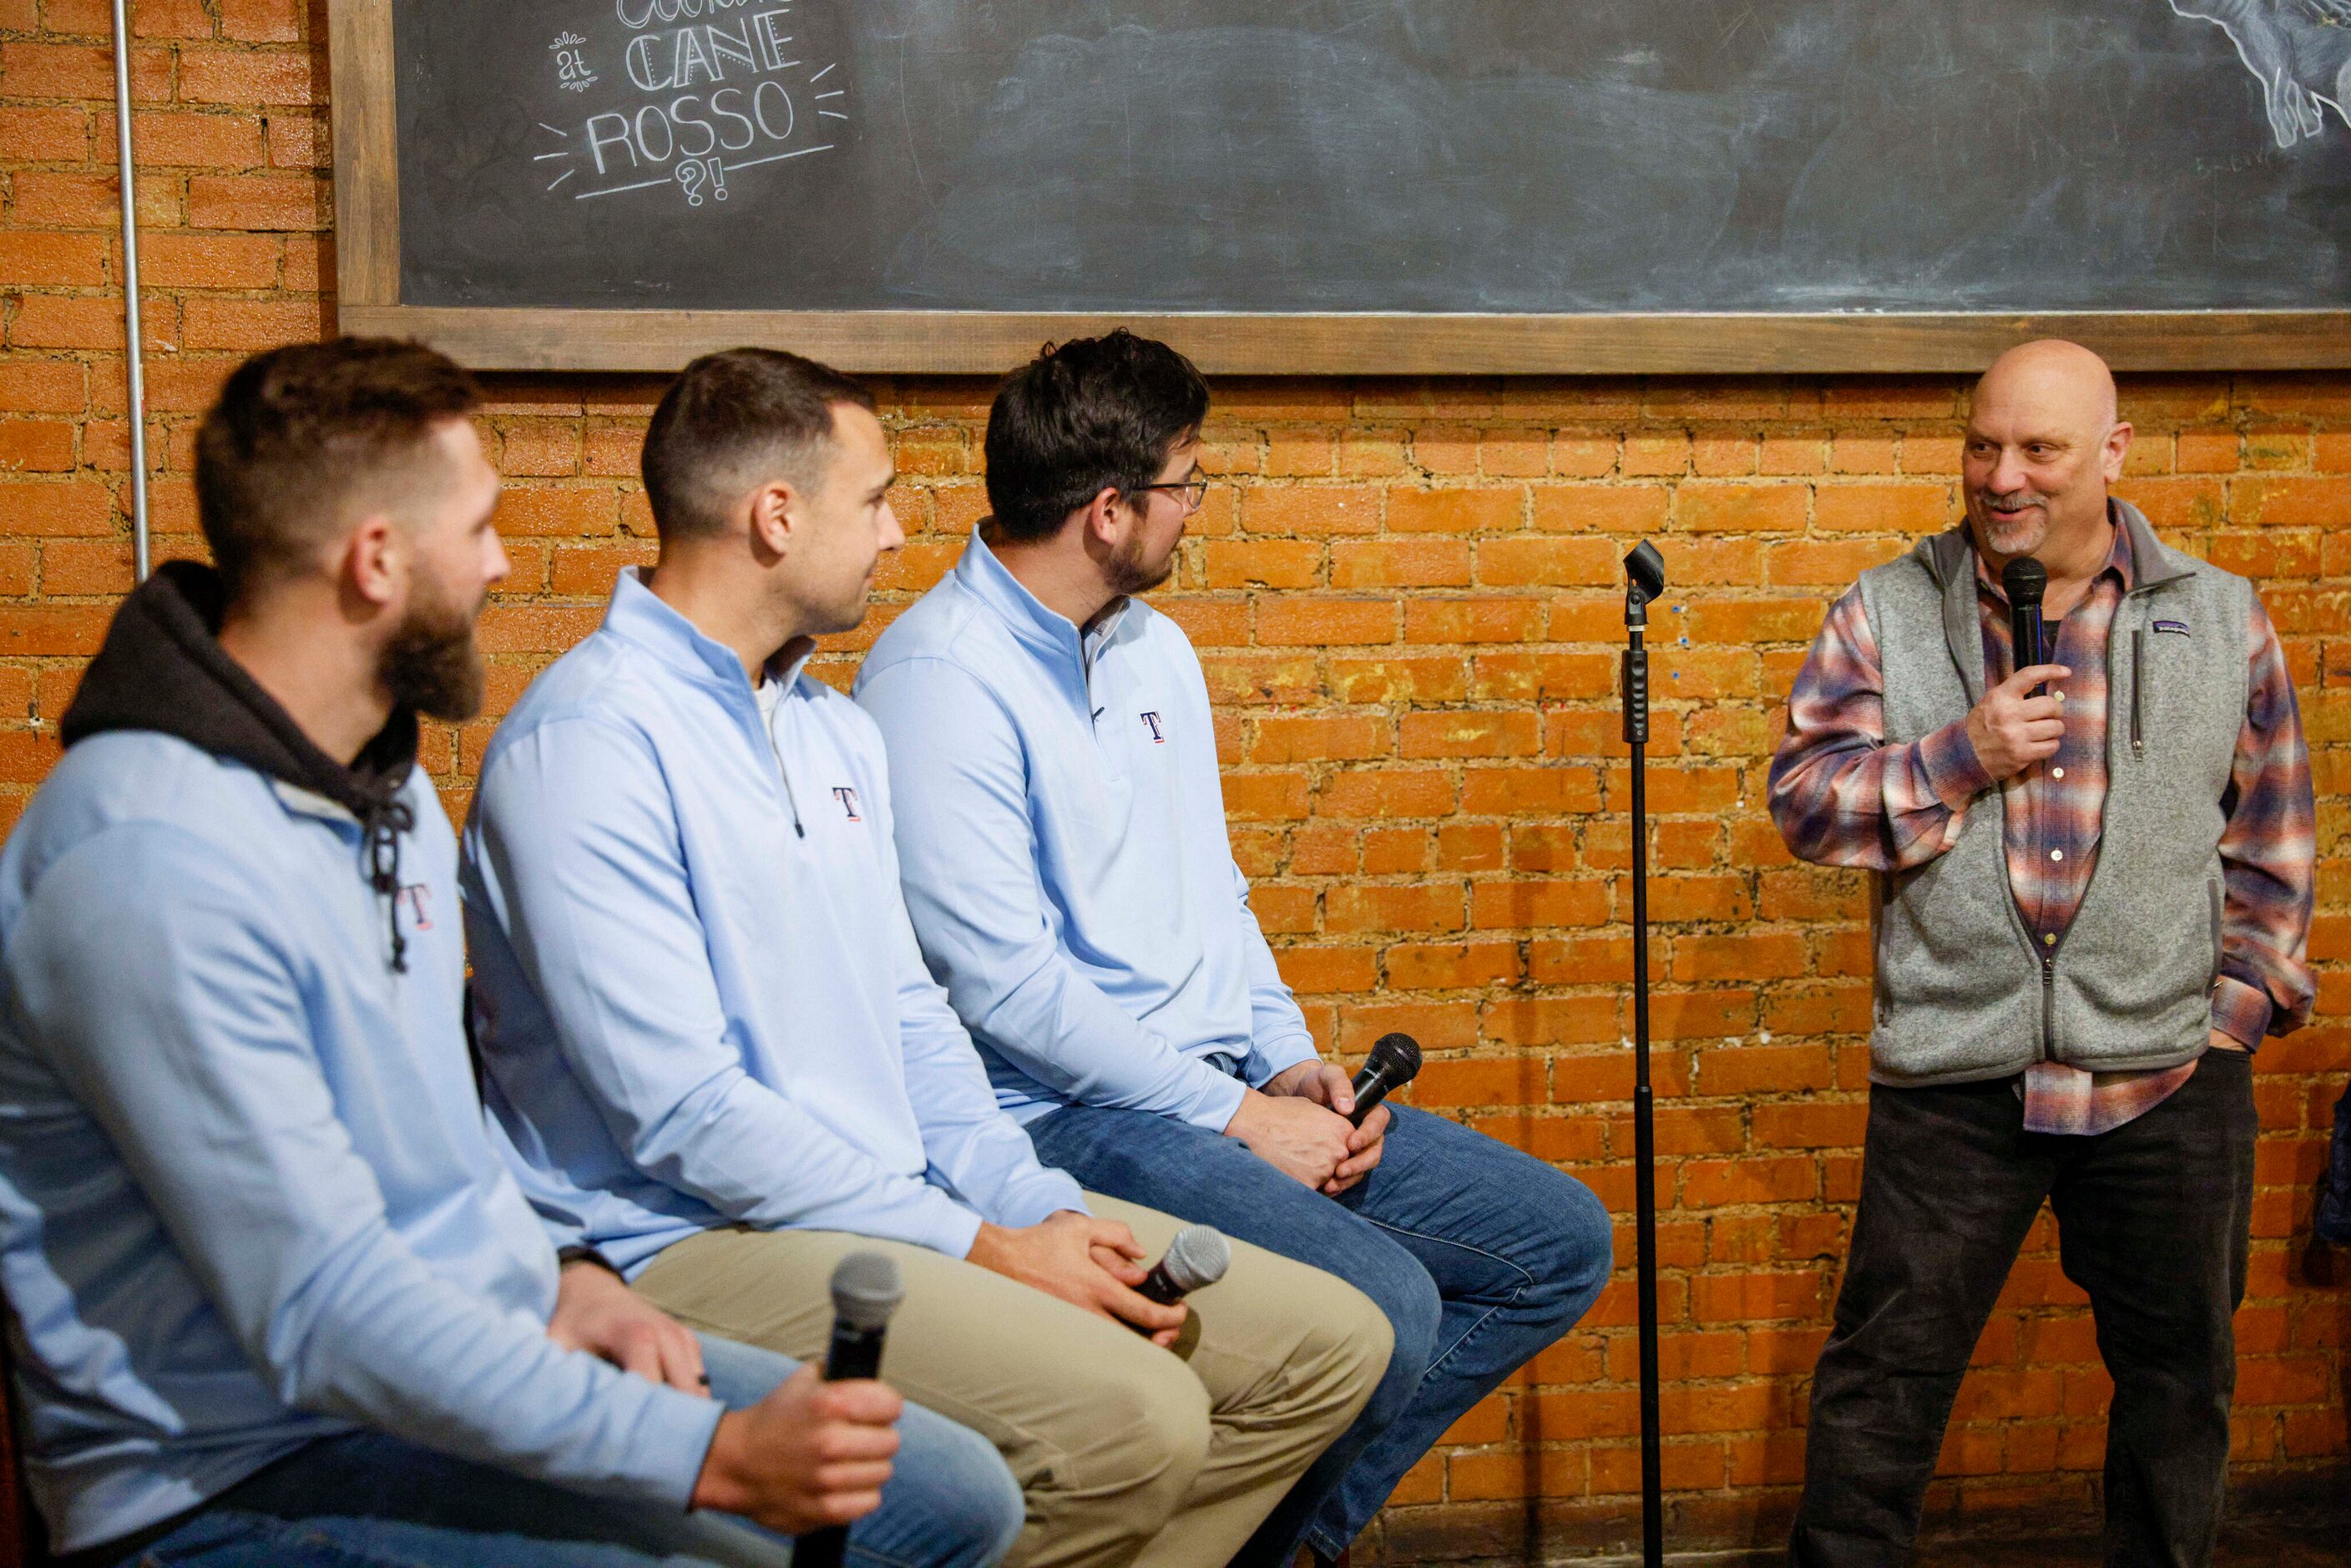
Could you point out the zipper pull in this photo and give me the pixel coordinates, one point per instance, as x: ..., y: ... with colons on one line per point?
x: 2138, y: 685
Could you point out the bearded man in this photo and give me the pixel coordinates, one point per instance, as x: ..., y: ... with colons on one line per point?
x: 274, y: 1295
x: 2040, y: 1033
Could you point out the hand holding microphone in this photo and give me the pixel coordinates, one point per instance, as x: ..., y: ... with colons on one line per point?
x: 1195, y: 1261
x: 866, y: 1291
x: 1393, y: 1062
x: 2020, y: 722
x: 812, y: 1458
x: 1297, y: 1126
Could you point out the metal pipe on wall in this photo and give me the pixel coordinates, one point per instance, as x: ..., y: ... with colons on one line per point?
x: 133, y: 361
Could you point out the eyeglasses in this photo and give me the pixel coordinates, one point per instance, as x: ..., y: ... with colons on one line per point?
x: 1193, y: 492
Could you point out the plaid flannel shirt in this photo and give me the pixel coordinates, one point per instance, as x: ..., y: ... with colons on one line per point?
x: 1843, y: 797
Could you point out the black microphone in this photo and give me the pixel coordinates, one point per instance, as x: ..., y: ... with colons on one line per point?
x: 2026, y: 579
x: 1395, y: 1059
x: 865, y: 1291
x: 1195, y: 1260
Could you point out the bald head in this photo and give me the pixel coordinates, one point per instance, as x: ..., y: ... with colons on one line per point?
x: 2045, y: 441
x: 2063, y: 379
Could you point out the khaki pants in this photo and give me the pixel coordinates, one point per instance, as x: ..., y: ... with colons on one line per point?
x: 1124, y: 1452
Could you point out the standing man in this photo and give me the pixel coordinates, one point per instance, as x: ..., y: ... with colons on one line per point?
x: 2042, y: 1032
x: 1061, y: 833
x: 709, y: 1031
x: 275, y: 1297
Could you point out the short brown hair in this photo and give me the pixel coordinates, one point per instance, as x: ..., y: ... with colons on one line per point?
x: 303, y: 437
x: 732, y: 421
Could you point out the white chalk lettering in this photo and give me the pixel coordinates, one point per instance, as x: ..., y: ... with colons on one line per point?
x: 640, y: 56
x: 690, y: 119
x: 659, y: 116
x: 597, y: 140
x: 759, y: 108
x: 768, y: 26
x: 723, y: 113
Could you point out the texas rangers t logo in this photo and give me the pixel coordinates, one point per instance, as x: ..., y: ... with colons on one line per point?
x: 1152, y: 722
x: 848, y: 798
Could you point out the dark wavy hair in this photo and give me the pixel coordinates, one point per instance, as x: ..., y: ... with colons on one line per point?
x: 1096, y: 414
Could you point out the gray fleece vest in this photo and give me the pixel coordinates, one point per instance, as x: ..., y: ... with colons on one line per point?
x: 1965, y: 991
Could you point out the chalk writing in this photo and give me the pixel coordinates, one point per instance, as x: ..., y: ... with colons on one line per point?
x: 571, y: 68
x: 706, y: 89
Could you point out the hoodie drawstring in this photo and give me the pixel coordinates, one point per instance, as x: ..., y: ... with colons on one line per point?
x: 383, y: 825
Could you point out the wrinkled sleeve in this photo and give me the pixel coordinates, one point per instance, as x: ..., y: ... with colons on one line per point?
x: 1840, y: 794
x: 199, y: 1061
x: 584, y: 873
x: 2268, y: 857
x: 974, y: 1148
x: 967, y: 851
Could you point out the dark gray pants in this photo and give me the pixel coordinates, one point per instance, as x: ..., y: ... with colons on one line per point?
x: 2152, y: 1220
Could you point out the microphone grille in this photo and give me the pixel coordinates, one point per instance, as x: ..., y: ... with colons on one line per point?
x: 1399, y: 1052
x: 2025, y: 580
x: 1198, y: 1257
x: 866, y: 1290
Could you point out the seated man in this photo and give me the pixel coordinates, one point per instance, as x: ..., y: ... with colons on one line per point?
x: 708, y: 1030
x: 1061, y: 834
x: 276, y: 1297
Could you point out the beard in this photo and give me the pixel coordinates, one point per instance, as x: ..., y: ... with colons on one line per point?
x: 1129, y: 573
x: 431, y: 662
x: 2014, y: 533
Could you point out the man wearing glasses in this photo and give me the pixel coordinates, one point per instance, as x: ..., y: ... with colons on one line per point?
x: 1061, y: 831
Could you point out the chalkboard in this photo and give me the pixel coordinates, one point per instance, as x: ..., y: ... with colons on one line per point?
x: 2183, y: 166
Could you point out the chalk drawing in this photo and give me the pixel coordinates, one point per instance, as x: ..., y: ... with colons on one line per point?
x: 2299, y: 50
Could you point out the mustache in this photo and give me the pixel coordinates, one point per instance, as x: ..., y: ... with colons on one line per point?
x: 2013, y: 500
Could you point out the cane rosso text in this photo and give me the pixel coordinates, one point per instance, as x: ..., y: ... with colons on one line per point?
x: 716, y: 61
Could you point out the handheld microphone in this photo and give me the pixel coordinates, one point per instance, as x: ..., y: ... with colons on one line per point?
x: 1395, y: 1059
x: 1195, y: 1260
x: 866, y: 1290
x: 2026, y: 579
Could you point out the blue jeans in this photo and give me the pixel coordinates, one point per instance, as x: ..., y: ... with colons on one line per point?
x: 1479, y: 1255
x: 370, y: 1499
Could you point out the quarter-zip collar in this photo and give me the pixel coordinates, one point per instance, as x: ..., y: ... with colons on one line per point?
x: 638, y: 616
x: 1052, y: 636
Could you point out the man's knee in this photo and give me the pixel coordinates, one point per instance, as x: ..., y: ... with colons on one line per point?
x: 1578, y: 1252
x: 1351, y: 1350
x: 1145, y: 1440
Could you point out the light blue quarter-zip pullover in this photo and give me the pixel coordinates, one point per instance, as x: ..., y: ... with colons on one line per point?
x: 247, y: 1195
x: 1061, y: 830
x: 700, y: 1002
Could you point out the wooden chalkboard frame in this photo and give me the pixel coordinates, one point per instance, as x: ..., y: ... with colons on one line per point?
x: 367, y: 251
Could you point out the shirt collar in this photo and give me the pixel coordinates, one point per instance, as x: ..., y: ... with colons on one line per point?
x: 1047, y: 632
x: 2119, y: 562
x: 637, y: 615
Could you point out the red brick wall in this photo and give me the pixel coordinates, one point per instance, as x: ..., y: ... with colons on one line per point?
x: 1405, y: 596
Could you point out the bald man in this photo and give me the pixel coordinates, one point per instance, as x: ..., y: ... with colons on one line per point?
x: 2042, y: 1032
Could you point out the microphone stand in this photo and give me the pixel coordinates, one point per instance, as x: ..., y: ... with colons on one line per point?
x: 1645, y: 578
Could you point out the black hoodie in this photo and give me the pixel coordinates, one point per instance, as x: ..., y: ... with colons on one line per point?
x: 162, y: 668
